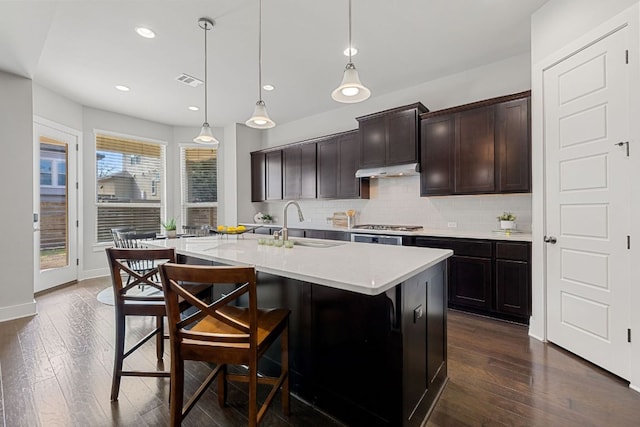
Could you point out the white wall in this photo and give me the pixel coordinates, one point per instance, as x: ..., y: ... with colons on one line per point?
x: 558, y: 22
x: 555, y: 26
x: 16, y: 176
x: 58, y: 109
x: 247, y: 140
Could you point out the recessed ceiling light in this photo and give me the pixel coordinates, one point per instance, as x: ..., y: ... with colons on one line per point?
x: 268, y: 87
x: 147, y: 33
x: 354, y: 51
x: 123, y: 88
x: 193, y: 108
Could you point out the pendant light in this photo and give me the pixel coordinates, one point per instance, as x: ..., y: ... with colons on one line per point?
x: 260, y: 119
x: 351, y: 90
x: 206, y: 136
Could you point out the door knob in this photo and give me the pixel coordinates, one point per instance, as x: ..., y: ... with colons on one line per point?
x: 550, y: 239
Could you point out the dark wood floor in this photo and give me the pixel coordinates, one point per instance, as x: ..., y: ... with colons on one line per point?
x: 55, y: 370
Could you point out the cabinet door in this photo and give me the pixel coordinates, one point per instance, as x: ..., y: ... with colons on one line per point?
x: 273, y: 161
x: 513, y: 145
x: 258, y: 177
x: 470, y: 284
x: 401, y: 137
x: 308, y: 171
x: 292, y: 173
x: 327, y: 169
x: 437, y: 139
x: 513, y: 287
x: 474, y: 145
x: 348, y: 184
x: 373, y: 142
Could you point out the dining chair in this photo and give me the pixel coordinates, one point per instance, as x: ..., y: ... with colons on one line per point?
x: 224, y: 334
x: 130, y: 301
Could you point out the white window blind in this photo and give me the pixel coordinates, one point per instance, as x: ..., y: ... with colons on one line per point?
x: 129, y: 183
x: 199, y: 178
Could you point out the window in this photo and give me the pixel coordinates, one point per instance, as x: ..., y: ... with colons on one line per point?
x: 199, y: 177
x: 46, y: 172
x: 61, y: 172
x: 126, y: 194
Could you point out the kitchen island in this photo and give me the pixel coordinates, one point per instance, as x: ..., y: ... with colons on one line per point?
x: 368, y: 322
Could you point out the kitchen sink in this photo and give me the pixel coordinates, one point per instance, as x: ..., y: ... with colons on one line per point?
x: 317, y: 244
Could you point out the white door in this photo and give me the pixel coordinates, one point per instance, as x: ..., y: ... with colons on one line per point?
x: 586, y: 115
x: 55, y: 206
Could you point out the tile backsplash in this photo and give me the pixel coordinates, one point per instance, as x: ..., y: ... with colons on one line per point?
x: 398, y: 201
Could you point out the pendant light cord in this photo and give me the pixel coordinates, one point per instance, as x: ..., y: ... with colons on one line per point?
x: 259, y: 50
x: 206, y: 91
x: 350, y: 32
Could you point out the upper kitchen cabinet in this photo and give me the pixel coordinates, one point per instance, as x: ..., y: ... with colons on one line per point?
x: 299, y: 171
x: 273, y: 172
x: 390, y: 137
x: 513, y: 145
x: 337, y: 166
x: 258, y: 177
x: 478, y: 148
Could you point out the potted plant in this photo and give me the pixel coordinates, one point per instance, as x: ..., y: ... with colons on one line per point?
x: 170, y: 227
x: 267, y: 218
x: 507, y: 221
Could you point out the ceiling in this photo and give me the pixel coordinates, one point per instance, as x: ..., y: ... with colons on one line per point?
x: 82, y: 49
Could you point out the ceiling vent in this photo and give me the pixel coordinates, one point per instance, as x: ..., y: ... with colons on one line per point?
x: 189, y: 80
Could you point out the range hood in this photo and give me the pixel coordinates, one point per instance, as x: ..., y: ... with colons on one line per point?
x: 389, y: 171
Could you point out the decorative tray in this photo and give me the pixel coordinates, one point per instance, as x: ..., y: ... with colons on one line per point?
x: 234, y: 230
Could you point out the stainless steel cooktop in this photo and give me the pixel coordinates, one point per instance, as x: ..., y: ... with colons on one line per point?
x: 388, y: 227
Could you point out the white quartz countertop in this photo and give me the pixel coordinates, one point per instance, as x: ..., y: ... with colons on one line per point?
x: 515, y: 236
x: 358, y: 267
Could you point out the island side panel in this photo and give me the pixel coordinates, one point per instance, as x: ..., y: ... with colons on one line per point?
x: 424, y: 342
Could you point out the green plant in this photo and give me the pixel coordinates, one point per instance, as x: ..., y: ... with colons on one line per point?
x: 170, y: 224
x: 507, y: 216
x: 267, y: 217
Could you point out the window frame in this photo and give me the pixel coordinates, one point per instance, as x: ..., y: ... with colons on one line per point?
x: 184, y: 205
x: 162, y: 204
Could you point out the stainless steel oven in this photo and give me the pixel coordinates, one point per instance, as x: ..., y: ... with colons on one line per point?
x: 377, y: 238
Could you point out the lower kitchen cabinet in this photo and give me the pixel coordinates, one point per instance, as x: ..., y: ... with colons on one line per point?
x: 487, y: 277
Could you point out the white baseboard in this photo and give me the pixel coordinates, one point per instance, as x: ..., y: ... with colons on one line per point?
x: 91, y: 274
x: 18, y: 311
x: 634, y: 388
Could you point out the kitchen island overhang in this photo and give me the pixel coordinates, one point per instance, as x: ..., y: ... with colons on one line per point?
x: 368, y: 323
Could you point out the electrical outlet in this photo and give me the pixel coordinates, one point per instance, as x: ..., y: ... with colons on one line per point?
x: 452, y: 224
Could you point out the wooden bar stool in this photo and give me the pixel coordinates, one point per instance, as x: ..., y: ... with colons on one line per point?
x: 222, y: 334
x: 130, y: 301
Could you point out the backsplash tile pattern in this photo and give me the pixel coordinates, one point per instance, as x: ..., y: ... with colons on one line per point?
x: 398, y: 201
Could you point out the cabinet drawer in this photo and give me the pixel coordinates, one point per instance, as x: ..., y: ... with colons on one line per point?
x: 474, y: 248
x: 512, y: 251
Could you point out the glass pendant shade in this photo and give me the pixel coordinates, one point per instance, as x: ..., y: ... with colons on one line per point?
x: 260, y: 119
x: 206, y: 136
x: 351, y: 90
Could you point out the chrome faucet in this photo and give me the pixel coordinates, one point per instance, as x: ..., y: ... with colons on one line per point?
x: 285, y: 231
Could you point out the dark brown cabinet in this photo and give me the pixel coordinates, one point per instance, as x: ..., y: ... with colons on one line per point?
x: 479, y: 148
x: 513, y: 146
x: 273, y: 169
x: 485, y: 276
x: 322, y: 168
x: 299, y: 171
x: 436, y: 157
x: 258, y: 177
x: 474, y: 151
x: 337, y: 166
x: 327, y: 173
x: 390, y: 137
